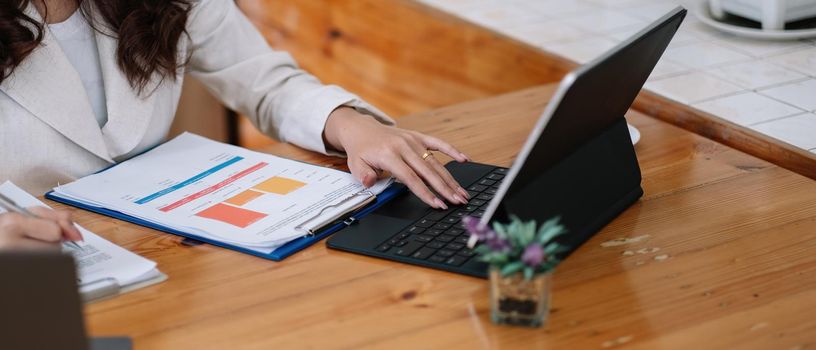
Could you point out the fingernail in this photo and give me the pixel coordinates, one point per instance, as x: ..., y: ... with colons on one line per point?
x: 467, y: 159
x: 464, y: 193
x: 459, y: 199
x: 440, y: 204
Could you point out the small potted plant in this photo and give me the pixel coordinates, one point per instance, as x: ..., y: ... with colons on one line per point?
x: 522, y: 257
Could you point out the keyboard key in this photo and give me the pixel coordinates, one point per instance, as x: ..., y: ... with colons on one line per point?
x: 383, y: 248
x: 445, y: 252
x: 437, y: 215
x: 441, y: 226
x: 456, y: 260
x: 445, y: 238
x: 423, y: 253
x: 402, y: 243
x: 438, y: 259
x: 472, y: 194
x: 491, y: 190
x: 460, y: 213
x: 485, y: 197
x: 477, y: 188
x: 425, y: 223
x: 470, y: 207
x: 454, y: 246
x: 423, y: 238
x: 404, y: 235
x: 487, y: 182
x: 501, y: 171
x: 435, y: 244
x: 452, y: 220
x: 455, y: 231
x: 466, y: 252
x: 477, y: 202
x: 462, y: 239
x: 409, y: 248
x: 495, y: 176
x: 415, y: 229
x: 434, y: 232
x: 394, y: 241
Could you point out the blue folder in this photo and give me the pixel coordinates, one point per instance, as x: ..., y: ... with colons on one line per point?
x: 278, y: 254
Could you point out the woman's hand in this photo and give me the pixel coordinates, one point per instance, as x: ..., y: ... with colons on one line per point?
x: 22, y: 232
x: 373, y: 147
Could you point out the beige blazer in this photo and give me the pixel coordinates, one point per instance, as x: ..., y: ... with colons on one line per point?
x: 48, y: 133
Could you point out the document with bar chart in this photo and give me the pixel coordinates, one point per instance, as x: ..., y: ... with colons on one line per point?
x: 224, y: 193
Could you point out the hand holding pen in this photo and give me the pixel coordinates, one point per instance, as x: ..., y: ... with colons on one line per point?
x: 35, y: 227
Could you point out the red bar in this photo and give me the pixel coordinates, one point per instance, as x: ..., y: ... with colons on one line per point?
x: 212, y: 189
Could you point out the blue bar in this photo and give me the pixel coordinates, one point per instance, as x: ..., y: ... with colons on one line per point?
x: 189, y: 181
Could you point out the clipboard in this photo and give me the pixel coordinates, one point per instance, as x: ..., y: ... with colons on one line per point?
x: 311, y: 237
x: 107, y: 288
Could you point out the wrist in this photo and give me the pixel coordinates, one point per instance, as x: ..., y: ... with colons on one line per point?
x: 340, y: 125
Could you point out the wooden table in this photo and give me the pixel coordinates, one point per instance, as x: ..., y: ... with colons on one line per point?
x: 727, y: 261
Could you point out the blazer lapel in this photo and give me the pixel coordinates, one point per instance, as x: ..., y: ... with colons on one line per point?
x: 48, y: 86
x: 129, y: 113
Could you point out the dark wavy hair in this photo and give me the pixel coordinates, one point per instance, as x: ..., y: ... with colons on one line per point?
x: 148, y: 31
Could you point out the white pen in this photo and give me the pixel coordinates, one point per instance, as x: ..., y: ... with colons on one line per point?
x: 9, y: 204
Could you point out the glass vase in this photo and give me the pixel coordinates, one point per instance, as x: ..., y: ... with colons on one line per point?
x: 517, y: 301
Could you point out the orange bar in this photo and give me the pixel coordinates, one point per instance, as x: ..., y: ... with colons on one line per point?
x: 231, y: 215
x: 244, y: 197
x: 279, y: 185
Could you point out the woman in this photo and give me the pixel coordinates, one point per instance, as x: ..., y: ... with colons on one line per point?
x: 88, y: 83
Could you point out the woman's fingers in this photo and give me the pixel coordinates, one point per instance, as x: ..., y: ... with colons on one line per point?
x: 21, y: 227
x: 447, y: 177
x: 407, y: 176
x: 424, y: 169
x: 62, y: 218
x: 33, y: 244
x: 362, y: 171
x: 435, y: 144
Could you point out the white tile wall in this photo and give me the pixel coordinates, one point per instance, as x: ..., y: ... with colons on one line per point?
x: 748, y: 108
x: 798, y: 130
x: 602, y: 21
x: 704, y: 55
x: 803, y: 61
x: 765, y: 85
x: 692, y: 87
x: 801, y: 94
x: 755, y: 74
x: 582, y: 50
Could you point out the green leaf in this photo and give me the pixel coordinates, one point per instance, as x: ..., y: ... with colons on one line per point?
x: 550, y: 230
x: 528, y: 233
x: 495, y: 257
x: 512, y: 268
x: 500, y: 229
x: 528, y: 273
x: 555, y: 248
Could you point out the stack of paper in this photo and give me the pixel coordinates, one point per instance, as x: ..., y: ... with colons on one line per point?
x: 103, y: 268
x: 223, y: 193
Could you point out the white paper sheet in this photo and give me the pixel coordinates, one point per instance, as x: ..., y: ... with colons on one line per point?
x: 222, y: 192
x: 98, y: 259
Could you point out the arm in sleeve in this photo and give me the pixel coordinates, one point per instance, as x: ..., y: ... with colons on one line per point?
x: 231, y: 58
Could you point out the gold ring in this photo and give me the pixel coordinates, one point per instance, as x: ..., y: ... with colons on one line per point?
x: 427, y: 154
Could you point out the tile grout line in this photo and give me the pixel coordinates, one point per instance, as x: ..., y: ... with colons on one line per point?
x: 776, y: 119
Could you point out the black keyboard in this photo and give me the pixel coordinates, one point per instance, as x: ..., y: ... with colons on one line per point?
x: 439, y: 237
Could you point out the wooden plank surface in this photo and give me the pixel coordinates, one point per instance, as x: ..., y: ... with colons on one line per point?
x: 407, y: 56
x: 399, y: 55
x: 733, y: 267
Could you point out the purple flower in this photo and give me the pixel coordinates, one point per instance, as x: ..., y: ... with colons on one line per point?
x: 533, y: 255
x: 476, y: 228
x: 481, y: 232
x: 498, y: 245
